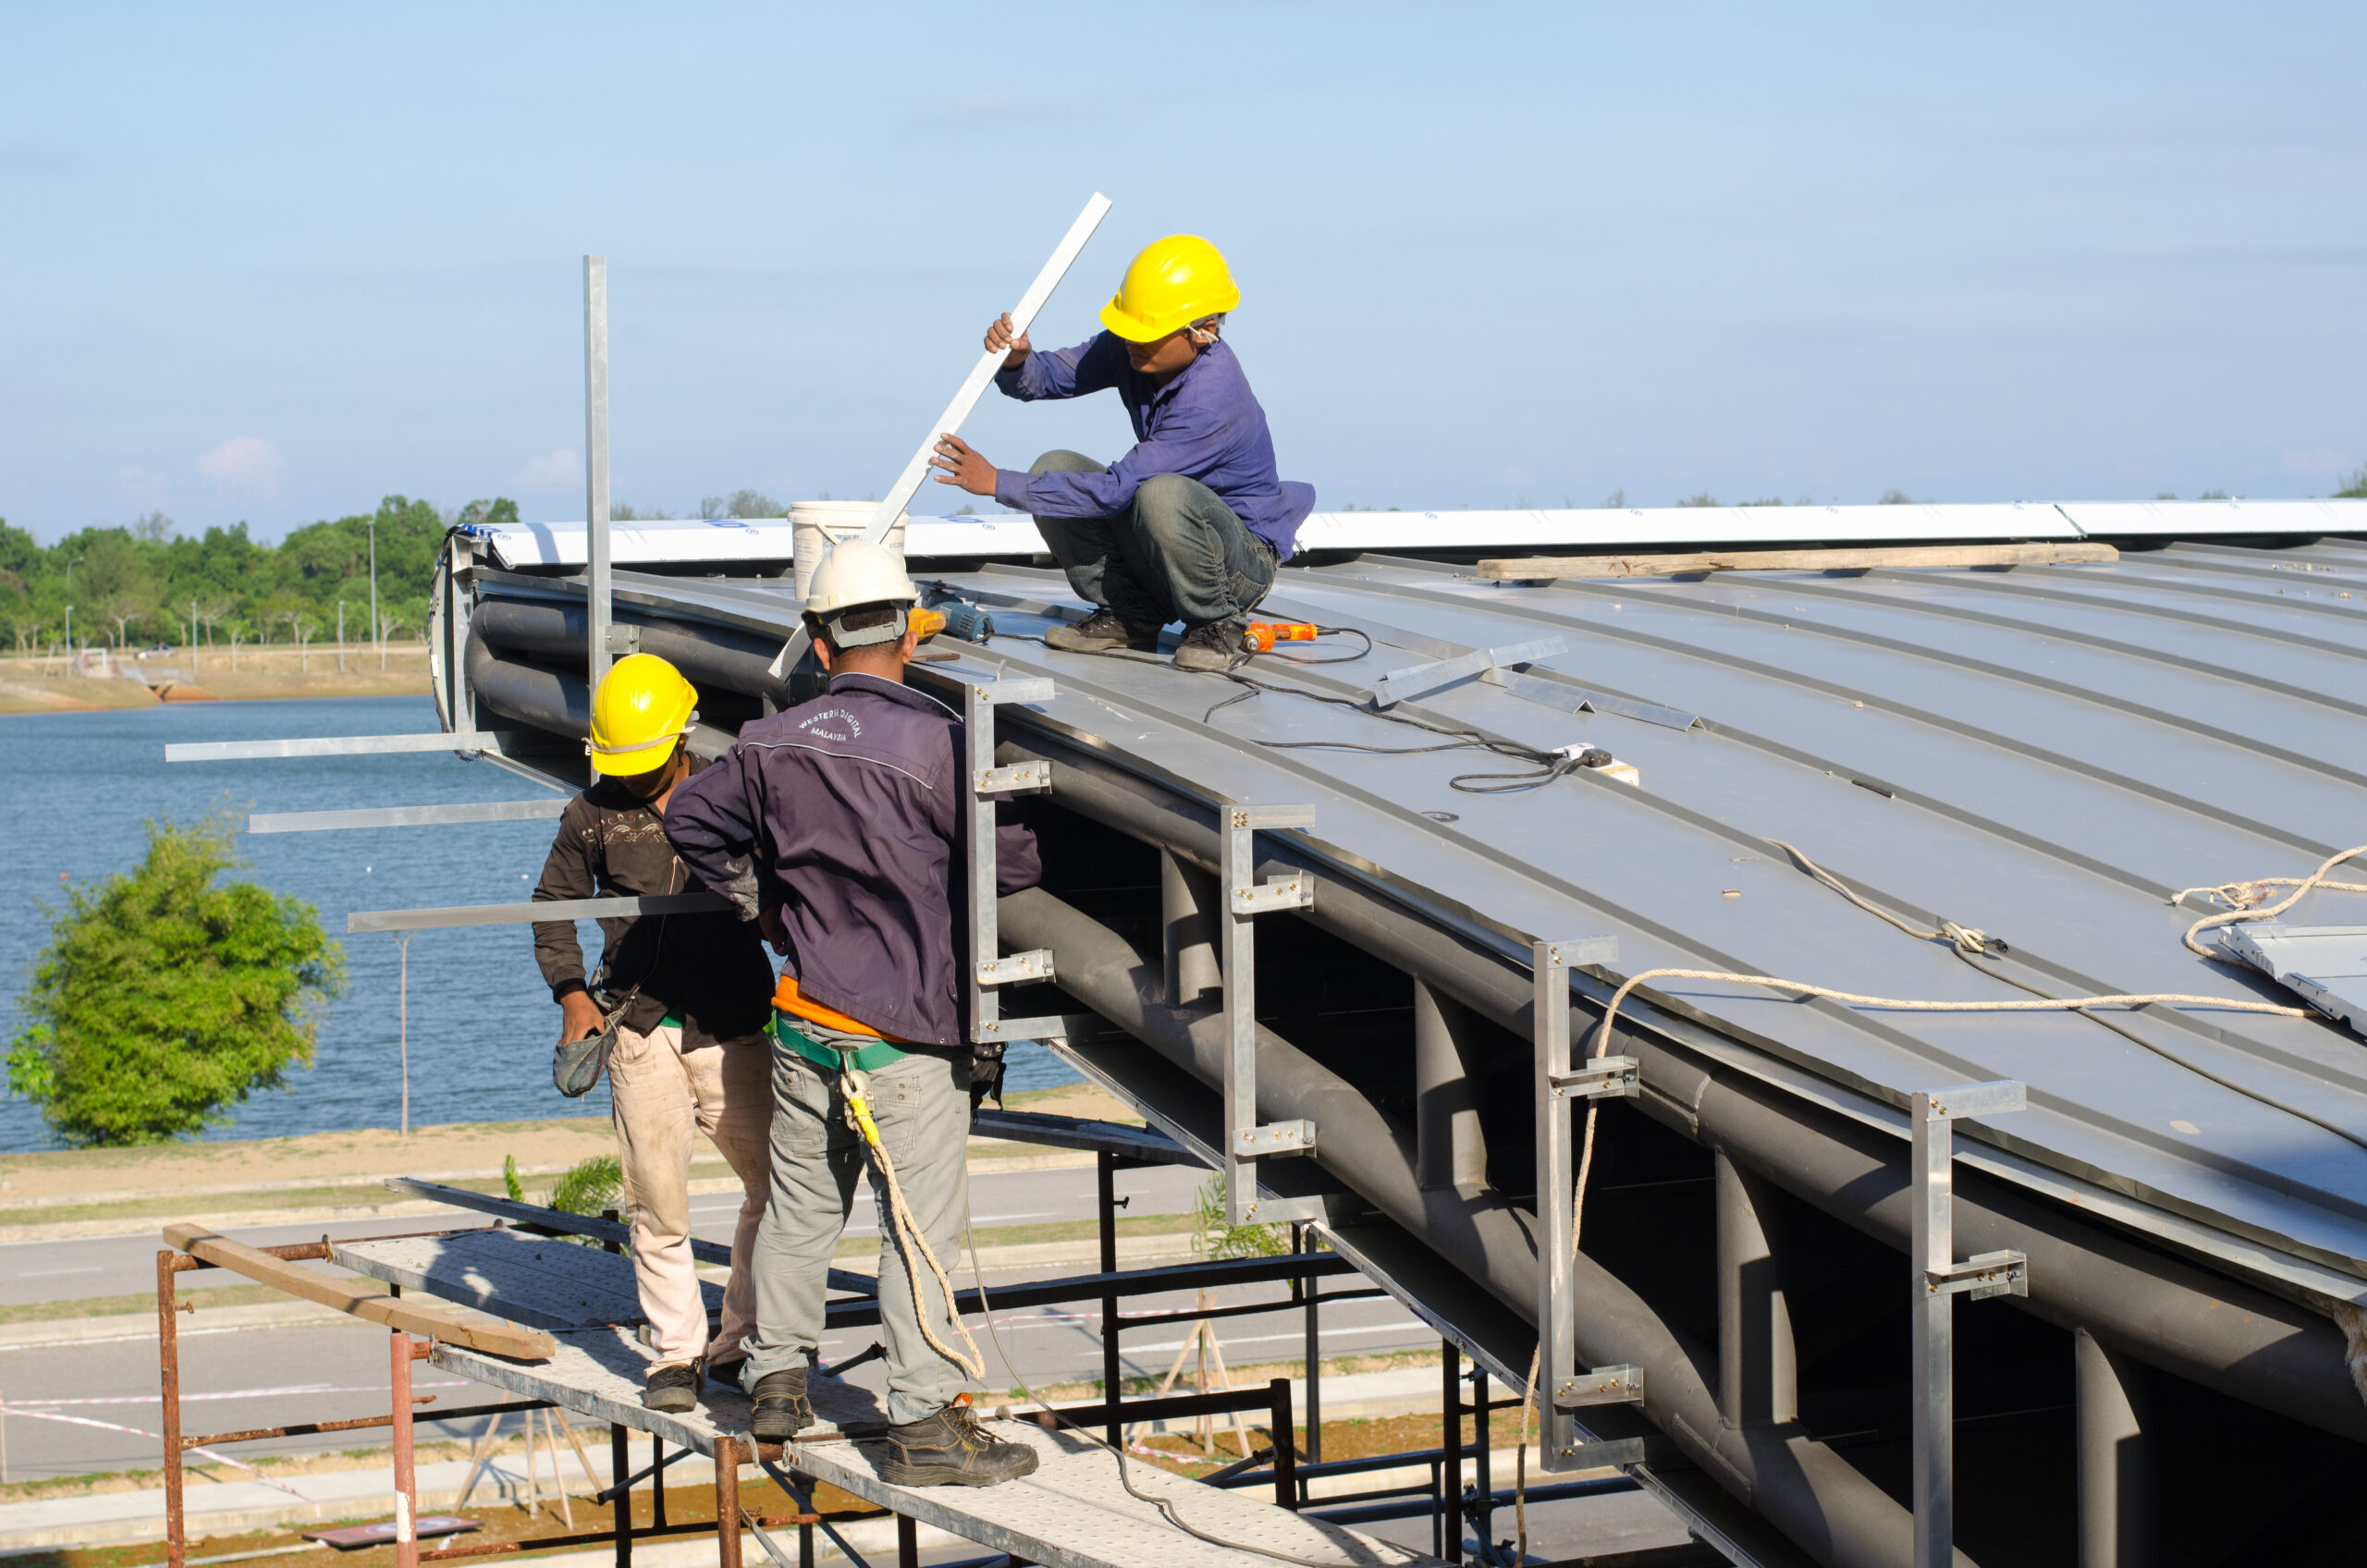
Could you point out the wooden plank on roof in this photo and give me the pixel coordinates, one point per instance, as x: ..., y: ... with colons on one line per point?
x: 1520, y: 569
x: 432, y: 1318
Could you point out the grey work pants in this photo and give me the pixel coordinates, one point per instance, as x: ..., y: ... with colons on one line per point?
x: 1176, y: 552
x: 921, y: 1104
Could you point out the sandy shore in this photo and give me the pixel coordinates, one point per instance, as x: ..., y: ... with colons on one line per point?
x: 39, y: 686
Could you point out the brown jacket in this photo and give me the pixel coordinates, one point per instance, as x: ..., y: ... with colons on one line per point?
x: 709, y: 970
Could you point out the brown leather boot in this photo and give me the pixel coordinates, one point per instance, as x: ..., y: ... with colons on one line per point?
x: 950, y: 1449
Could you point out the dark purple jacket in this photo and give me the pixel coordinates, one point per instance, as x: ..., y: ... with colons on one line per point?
x: 847, y: 811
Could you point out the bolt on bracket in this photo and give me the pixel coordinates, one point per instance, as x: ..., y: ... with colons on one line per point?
x: 1609, y: 1077
x: 1604, y: 1385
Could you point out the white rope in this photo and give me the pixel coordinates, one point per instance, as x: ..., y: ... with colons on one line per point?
x: 2243, y: 895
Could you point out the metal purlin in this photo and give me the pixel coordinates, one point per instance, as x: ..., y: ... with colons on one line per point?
x: 989, y: 969
x: 1247, y: 1140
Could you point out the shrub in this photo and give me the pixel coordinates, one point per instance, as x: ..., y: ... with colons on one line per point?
x: 163, y: 1000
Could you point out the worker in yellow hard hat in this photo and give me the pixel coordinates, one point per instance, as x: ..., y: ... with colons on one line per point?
x: 1190, y: 524
x: 684, y: 1000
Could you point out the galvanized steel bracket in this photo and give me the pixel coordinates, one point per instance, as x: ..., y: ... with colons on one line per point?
x: 1247, y: 1141
x: 1607, y: 1077
x: 1939, y: 1278
x: 1486, y: 664
x: 989, y: 968
x: 1604, y: 1385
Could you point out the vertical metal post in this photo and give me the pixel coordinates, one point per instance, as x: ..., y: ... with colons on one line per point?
x: 620, y: 1481
x: 2120, y: 1520
x: 1279, y: 1423
x: 1112, y: 1372
x: 1450, y: 1143
x: 908, y: 1542
x: 169, y: 1376
x: 595, y: 462
x: 1933, y: 1243
x: 1451, y: 1432
x: 1303, y: 1240
x: 1758, y: 1376
x: 1938, y: 1278
x: 657, y: 1482
x: 1245, y: 1139
x: 1482, y: 1459
x: 727, y: 1500
x: 377, y: 639
x: 1556, y: 1180
x: 405, y: 1476
x: 983, y: 782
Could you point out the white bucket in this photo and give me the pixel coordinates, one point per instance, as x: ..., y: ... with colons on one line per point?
x: 816, y: 526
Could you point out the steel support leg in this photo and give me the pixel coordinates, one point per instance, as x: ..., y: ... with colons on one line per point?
x: 1247, y: 1140
x: 1303, y: 1241
x: 727, y: 1501
x: 1758, y: 1372
x: 1446, y: 1094
x: 1451, y: 1432
x: 405, y: 1477
x: 1482, y: 1460
x: 620, y: 1472
x: 1111, y: 1369
x: 908, y: 1542
x: 2120, y: 1516
x: 1556, y: 1180
x: 169, y: 1376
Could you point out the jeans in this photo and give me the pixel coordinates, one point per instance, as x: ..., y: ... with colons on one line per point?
x: 921, y: 1104
x: 661, y: 1096
x: 1177, y: 553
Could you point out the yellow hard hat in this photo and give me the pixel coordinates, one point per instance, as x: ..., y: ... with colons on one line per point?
x: 1173, y: 282
x: 643, y: 706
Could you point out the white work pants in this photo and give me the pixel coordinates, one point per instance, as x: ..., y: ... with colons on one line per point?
x: 660, y: 1093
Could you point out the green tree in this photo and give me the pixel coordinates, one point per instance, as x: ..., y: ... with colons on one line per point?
x: 1215, y: 1235
x: 164, y: 1000
x: 2355, y: 485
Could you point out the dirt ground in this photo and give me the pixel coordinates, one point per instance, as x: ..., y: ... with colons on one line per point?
x: 39, y: 686
x: 84, y: 1176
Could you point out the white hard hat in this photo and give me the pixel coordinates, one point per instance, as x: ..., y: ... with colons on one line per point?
x: 855, y: 573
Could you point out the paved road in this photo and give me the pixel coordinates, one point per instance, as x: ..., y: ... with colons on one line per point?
x: 102, y: 1265
x: 67, y: 1401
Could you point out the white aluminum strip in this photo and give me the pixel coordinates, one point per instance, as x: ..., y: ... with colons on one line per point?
x: 531, y: 913
x: 2193, y: 518
x: 1678, y: 526
x: 406, y: 816
x: 328, y: 746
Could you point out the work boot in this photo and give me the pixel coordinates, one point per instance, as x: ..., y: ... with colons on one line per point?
x: 1100, y: 632
x: 782, y: 1410
x: 1216, y: 646
x: 950, y: 1449
x: 672, y: 1389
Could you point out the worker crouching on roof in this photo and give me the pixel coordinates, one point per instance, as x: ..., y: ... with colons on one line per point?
x: 1190, y: 524
x: 694, y: 992
x: 834, y: 824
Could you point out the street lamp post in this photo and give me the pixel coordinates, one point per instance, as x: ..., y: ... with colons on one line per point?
x: 71, y: 665
x: 375, y: 635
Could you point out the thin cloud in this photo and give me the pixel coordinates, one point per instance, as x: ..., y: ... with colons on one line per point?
x: 553, y: 468
x: 248, y: 462
x: 2318, y: 460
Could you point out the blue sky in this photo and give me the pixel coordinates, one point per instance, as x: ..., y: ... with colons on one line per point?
x: 271, y: 264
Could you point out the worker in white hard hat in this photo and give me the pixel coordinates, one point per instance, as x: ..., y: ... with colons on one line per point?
x: 1190, y: 524
x: 685, y: 1000
x: 834, y: 826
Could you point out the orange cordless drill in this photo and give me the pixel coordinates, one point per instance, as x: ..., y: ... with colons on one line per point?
x: 1261, y: 635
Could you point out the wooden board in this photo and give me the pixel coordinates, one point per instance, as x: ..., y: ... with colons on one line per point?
x: 544, y: 1281
x: 1539, y: 567
x: 434, y: 1319
x: 1070, y: 1513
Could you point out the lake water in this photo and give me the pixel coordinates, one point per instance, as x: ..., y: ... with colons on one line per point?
x: 80, y: 785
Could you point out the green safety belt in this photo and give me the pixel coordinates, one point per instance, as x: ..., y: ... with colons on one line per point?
x: 831, y: 1059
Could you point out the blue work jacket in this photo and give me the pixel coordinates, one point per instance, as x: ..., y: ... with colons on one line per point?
x: 1204, y: 424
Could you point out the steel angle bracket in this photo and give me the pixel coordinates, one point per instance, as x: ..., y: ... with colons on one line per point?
x: 989, y: 969
x: 1557, y: 1085
x: 1604, y: 1385
x: 1487, y: 664
x: 1247, y: 1141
